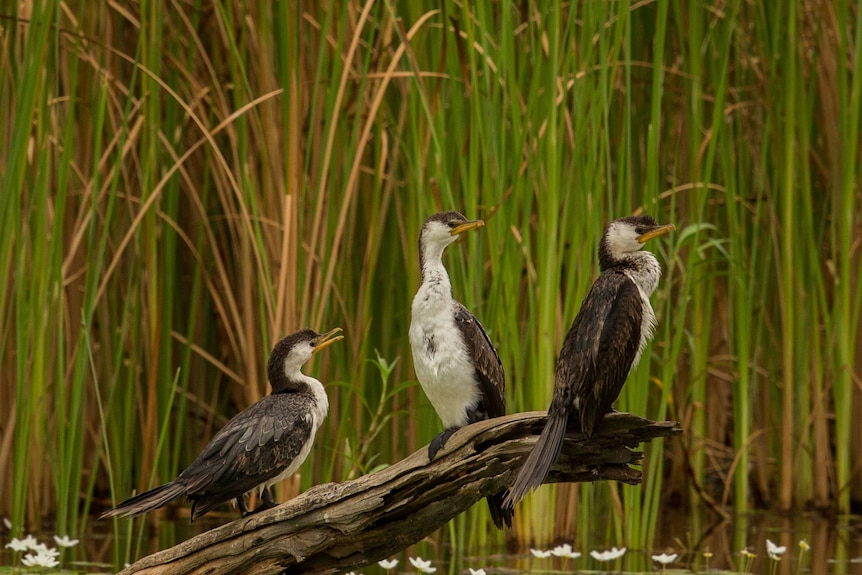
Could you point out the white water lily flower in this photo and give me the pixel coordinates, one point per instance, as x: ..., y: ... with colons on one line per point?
x: 774, y: 551
x: 476, y: 571
x: 65, y: 541
x: 614, y: 553
x: 388, y: 563
x: 39, y: 560
x: 43, y: 549
x: 803, y: 545
x: 565, y: 550
x: 30, y: 543
x: 561, y: 550
x: 17, y: 545
x: 664, y: 558
x: 422, y: 565
x: 540, y: 554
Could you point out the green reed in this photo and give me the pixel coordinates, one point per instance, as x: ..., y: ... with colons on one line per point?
x: 184, y: 187
x: 848, y: 302
x: 26, y: 233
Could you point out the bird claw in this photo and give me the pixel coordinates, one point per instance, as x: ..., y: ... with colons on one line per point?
x: 439, y: 441
x: 264, y: 506
x: 267, y: 501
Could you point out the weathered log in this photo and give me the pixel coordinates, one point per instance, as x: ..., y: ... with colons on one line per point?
x: 342, y: 526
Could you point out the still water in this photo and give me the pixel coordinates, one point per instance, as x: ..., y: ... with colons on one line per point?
x: 835, y: 547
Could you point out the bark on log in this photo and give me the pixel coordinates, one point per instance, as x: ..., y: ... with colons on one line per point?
x: 338, y: 527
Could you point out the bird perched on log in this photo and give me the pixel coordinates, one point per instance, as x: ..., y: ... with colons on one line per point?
x: 605, y: 342
x: 258, y: 447
x: 455, y: 362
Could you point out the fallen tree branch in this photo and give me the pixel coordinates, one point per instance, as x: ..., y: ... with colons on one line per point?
x: 342, y: 526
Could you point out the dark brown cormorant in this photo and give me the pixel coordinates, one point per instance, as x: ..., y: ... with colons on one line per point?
x: 259, y: 446
x: 605, y: 342
x: 455, y: 362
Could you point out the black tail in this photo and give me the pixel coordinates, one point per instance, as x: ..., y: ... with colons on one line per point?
x: 538, y: 463
x: 147, y: 501
x: 501, y: 516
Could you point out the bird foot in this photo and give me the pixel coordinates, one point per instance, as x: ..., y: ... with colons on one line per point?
x: 264, y: 506
x: 439, y: 441
x: 243, y: 508
x: 267, y: 501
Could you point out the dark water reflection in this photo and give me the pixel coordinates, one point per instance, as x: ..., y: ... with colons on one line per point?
x: 835, y: 547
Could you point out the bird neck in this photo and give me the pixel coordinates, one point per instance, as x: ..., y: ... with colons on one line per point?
x: 608, y: 260
x: 641, y: 266
x: 294, y: 383
x: 310, y: 388
x: 433, y: 271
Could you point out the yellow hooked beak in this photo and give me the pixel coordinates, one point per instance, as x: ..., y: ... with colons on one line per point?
x: 466, y: 226
x: 326, y: 339
x: 656, y: 232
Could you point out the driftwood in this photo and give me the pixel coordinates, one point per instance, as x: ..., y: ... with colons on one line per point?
x: 342, y: 526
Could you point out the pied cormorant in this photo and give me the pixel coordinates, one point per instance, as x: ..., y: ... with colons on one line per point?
x: 605, y: 342
x: 455, y: 362
x: 259, y: 446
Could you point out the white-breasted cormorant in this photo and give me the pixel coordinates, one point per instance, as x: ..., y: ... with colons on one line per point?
x: 455, y: 362
x: 605, y: 342
x: 259, y: 446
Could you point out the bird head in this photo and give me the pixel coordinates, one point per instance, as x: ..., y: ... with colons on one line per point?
x: 440, y: 230
x: 291, y: 353
x: 444, y: 228
x: 628, y: 235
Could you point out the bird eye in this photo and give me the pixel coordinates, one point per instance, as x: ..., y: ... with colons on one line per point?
x: 452, y: 224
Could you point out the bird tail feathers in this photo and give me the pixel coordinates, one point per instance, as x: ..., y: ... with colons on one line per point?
x: 538, y: 463
x: 500, y: 515
x: 147, y: 501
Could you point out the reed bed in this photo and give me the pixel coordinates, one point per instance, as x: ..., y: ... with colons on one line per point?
x: 185, y: 182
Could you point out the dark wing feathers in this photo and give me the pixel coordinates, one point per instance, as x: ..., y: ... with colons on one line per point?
x: 599, y: 349
x: 489, y: 369
x: 619, y: 342
x: 254, y: 447
x: 492, y: 384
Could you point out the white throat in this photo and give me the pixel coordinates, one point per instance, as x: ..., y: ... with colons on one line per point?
x: 646, y: 272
